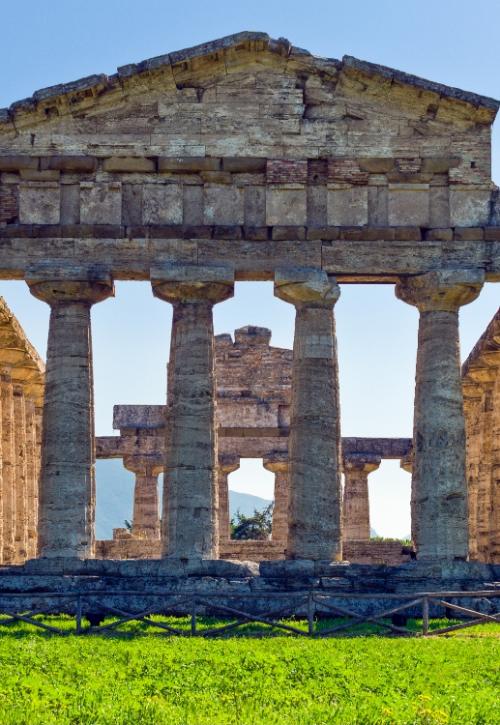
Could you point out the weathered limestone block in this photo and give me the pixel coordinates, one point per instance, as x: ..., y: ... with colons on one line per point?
x: 439, y: 475
x: 67, y: 487
x: 439, y: 206
x: 223, y: 204
x: 348, y: 207
x: 162, y: 204
x: 100, y: 203
x: 189, y: 522
x: 286, y: 205
x: 315, y: 527
x: 408, y: 205
x: 356, y: 505
x: 39, y: 203
x: 469, y: 206
x: 70, y: 204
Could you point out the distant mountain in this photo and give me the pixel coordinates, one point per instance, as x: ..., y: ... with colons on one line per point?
x: 115, y: 491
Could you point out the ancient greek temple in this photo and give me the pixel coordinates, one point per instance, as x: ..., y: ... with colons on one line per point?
x: 248, y: 159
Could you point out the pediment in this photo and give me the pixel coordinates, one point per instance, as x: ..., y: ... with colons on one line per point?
x: 246, y: 95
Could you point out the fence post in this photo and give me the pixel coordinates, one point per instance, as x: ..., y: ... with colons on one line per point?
x: 425, y: 616
x: 310, y: 614
x: 78, y: 614
x: 193, y: 617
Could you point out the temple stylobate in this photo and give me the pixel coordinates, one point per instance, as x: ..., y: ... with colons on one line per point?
x: 250, y: 159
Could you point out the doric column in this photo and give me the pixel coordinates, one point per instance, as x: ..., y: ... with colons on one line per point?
x: 31, y: 478
x: 146, y: 515
x: 227, y: 464
x: 315, y: 527
x: 279, y: 533
x: 67, y: 482
x: 356, y: 503
x: 439, y: 477
x: 8, y: 467
x: 21, y: 476
x: 189, y: 525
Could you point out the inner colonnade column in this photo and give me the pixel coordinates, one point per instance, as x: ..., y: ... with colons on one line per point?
x: 190, y: 495
x: 67, y: 486
x: 279, y: 531
x: 315, y: 521
x: 356, y: 509
x: 227, y: 464
x: 146, y: 515
x: 439, y: 486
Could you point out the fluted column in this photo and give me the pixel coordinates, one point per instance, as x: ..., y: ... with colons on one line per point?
x: 227, y: 465
x: 8, y: 467
x: 356, y: 502
x: 146, y: 514
x: 67, y: 483
x: 279, y: 533
x: 439, y: 476
x: 31, y: 478
x: 315, y: 526
x: 190, y: 497
x: 21, y: 477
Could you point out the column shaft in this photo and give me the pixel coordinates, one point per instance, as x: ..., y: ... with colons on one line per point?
x: 439, y: 434
x: 315, y: 528
x: 356, y: 500
x: 190, y: 482
x: 8, y: 468
x: 67, y: 481
x: 224, y: 516
x: 280, y: 511
x: 190, y: 494
x: 21, y: 476
x: 66, y: 505
x: 146, y: 516
x: 439, y: 475
x: 31, y: 479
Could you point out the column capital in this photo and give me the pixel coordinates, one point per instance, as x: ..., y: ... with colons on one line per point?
x: 59, y: 285
x: 193, y: 283
x: 228, y: 463
x: 443, y: 290
x: 142, y: 465
x: 406, y: 463
x: 304, y: 286
x: 361, y: 463
x: 276, y: 464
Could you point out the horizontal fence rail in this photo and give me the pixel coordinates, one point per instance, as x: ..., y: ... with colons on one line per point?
x: 308, y: 613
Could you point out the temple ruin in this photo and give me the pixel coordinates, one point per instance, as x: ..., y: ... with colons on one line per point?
x: 248, y: 159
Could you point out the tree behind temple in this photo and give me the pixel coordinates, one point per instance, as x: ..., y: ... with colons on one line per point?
x: 256, y: 526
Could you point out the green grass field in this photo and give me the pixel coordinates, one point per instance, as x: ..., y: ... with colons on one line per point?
x: 142, y: 677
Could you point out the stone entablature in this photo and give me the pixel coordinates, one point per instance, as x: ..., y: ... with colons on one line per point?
x: 21, y: 386
x: 259, y: 142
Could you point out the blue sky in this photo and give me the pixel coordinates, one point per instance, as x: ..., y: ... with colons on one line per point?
x: 450, y: 41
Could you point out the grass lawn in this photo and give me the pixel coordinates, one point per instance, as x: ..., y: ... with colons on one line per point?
x: 142, y: 677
